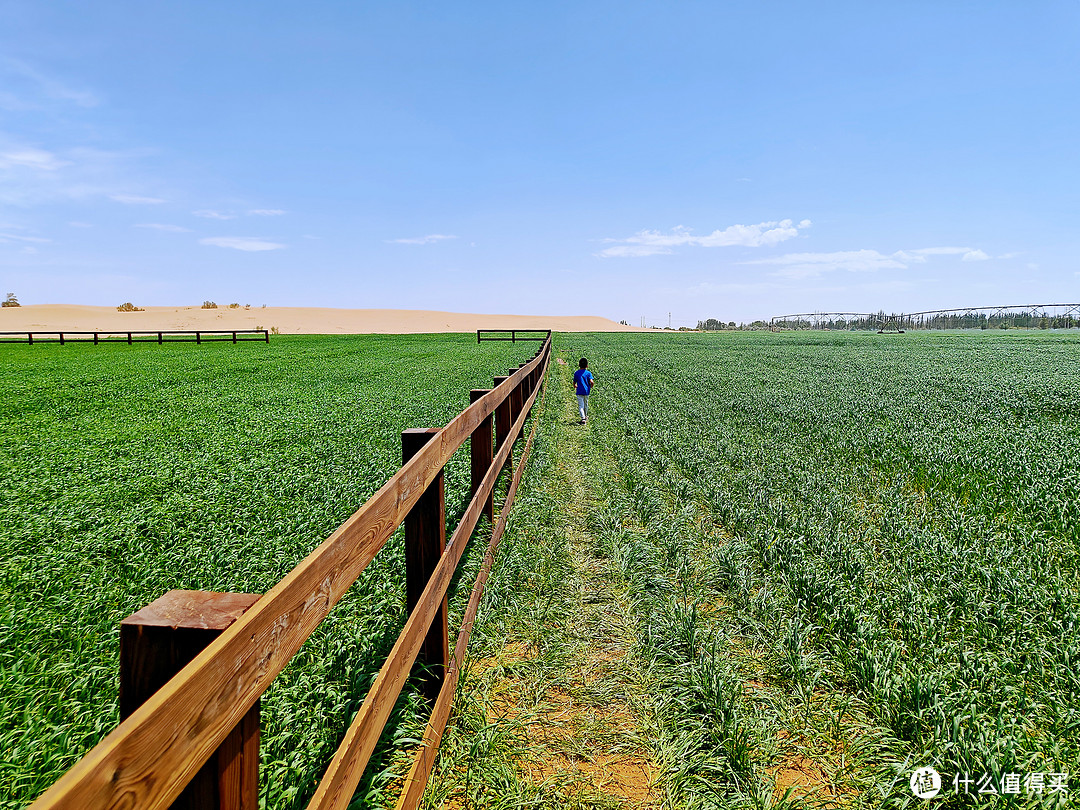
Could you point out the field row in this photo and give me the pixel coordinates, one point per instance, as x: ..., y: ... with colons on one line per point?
x: 842, y: 557
x: 900, y: 517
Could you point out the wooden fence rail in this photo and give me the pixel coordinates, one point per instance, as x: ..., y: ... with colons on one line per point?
x: 500, y: 334
x: 120, y: 336
x: 152, y: 755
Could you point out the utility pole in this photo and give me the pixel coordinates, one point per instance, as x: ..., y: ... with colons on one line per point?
x: 669, y: 320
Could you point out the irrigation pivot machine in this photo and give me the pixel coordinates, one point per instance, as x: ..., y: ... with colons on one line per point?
x: 1016, y: 316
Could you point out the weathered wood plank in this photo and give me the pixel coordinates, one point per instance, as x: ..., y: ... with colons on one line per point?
x: 338, y: 784
x: 156, y: 642
x: 424, y: 758
x: 480, y: 455
x: 425, y: 540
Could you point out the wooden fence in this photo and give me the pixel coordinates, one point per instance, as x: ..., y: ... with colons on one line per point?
x: 501, y: 334
x: 203, y: 715
x: 165, y: 336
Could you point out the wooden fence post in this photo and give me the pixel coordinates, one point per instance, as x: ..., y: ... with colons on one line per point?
x: 516, y: 400
x: 425, y: 541
x: 155, y: 644
x: 481, y: 451
x: 503, y: 423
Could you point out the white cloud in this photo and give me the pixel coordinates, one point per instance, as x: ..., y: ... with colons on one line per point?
x: 806, y: 265
x: 940, y: 251
x: 75, y: 224
x: 241, y: 243
x: 29, y: 158
x: 422, y: 240
x: 47, y: 86
x: 133, y: 199
x: 206, y: 213
x: 266, y: 212
x: 10, y: 237
x: 31, y: 176
x: 627, y: 251
x: 648, y: 243
x: 159, y: 227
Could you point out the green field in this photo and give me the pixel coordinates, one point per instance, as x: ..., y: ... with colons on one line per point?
x: 855, y: 551
x: 129, y: 471
x: 839, y: 557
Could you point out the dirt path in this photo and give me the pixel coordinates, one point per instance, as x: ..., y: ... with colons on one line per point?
x: 582, y: 710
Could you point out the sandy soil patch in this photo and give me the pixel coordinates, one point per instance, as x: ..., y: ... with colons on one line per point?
x: 287, y: 320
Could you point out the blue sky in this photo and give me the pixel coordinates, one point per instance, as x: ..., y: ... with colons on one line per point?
x: 729, y: 160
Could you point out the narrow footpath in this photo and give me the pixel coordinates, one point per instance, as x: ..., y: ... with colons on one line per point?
x: 561, y: 687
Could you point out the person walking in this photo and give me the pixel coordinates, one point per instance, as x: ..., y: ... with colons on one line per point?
x: 583, y: 378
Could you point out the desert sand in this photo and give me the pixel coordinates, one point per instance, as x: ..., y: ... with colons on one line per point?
x: 287, y: 320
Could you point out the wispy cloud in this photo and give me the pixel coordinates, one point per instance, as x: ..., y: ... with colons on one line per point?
x: 40, y: 85
x: 940, y: 251
x: 30, y: 158
x: 805, y: 265
x: 808, y: 265
x: 11, y: 237
x: 206, y: 213
x: 31, y: 174
x: 649, y: 243
x: 266, y: 212
x: 422, y: 240
x: 156, y: 226
x: 134, y: 199
x: 249, y: 243
x: 76, y: 224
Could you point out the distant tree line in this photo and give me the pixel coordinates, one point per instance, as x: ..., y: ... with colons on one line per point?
x: 713, y: 325
x: 958, y: 320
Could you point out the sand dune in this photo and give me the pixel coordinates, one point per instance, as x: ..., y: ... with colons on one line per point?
x: 288, y: 320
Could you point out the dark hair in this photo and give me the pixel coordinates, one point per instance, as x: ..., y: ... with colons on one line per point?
x: 583, y: 363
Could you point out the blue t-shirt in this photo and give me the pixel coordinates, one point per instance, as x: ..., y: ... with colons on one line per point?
x: 583, y: 378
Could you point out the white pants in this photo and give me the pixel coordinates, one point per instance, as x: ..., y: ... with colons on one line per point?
x: 583, y: 406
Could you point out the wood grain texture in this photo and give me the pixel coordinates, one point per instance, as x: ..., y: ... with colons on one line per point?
x: 425, y: 540
x: 480, y: 455
x: 146, y: 761
x: 157, y: 642
x: 338, y: 784
x: 424, y: 758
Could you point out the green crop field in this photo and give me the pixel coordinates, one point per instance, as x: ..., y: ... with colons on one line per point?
x: 129, y: 471
x: 839, y: 557
x: 805, y: 560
